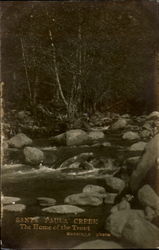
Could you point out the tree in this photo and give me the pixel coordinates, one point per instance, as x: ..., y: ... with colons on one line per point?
x: 81, y: 57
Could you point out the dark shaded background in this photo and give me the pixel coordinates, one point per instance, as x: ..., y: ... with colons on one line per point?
x: 119, y: 41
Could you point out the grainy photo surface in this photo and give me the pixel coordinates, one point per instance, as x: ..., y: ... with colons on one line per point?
x: 80, y: 124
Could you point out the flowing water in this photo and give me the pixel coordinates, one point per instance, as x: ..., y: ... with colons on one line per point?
x: 47, y: 181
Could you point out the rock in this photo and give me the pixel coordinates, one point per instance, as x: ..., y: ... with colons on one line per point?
x: 98, y: 244
x: 140, y: 119
x: 74, y: 165
x: 110, y: 198
x: 133, y: 128
x: 119, y: 124
x: 85, y: 166
x: 145, y: 134
x: 150, y: 213
x: 141, y: 232
x: 131, y: 136
x: 95, y: 135
x: 58, y: 140
x: 45, y: 202
x: 127, y: 116
x: 114, y: 209
x: 33, y: 156
x: 84, y: 199
x: 63, y: 209
x: 132, y: 161
x: 23, y: 115
x: 77, y: 160
x: 48, y: 149
x: 116, y: 184
x: 148, y: 126
x: 139, y: 146
x: 147, y: 162
x: 148, y: 197
x: 105, y: 164
x: 15, y: 208
x: 106, y: 144
x: 76, y: 137
x: 94, y: 188
x: 9, y: 200
x: 116, y: 222
x: 19, y: 141
x: 123, y: 205
x: 154, y: 115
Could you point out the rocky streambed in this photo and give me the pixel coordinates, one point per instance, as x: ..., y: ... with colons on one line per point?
x: 107, y: 176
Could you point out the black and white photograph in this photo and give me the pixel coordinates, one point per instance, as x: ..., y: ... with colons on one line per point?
x: 79, y: 124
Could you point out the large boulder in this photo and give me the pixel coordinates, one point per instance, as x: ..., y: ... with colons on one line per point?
x: 19, y: 141
x: 116, y: 222
x: 115, y: 184
x: 148, y: 161
x: 119, y: 124
x: 63, y: 209
x: 138, y: 146
x: 76, y: 137
x: 33, y: 156
x: 148, y: 197
x: 140, y: 232
x: 98, y: 244
x: 131, y: 136
x: 84, y: 199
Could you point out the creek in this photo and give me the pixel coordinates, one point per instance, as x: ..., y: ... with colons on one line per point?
x: 28, y: 183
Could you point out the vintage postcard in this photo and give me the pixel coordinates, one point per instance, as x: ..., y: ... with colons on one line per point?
x: 80, y: 124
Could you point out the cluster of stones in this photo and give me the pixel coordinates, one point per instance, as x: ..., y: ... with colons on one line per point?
x: 137, y: 226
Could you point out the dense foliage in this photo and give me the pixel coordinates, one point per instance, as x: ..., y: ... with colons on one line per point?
x: 78, y: 57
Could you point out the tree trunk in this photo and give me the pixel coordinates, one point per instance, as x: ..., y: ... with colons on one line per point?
x: 26, y: 70
x: 75, y: 99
